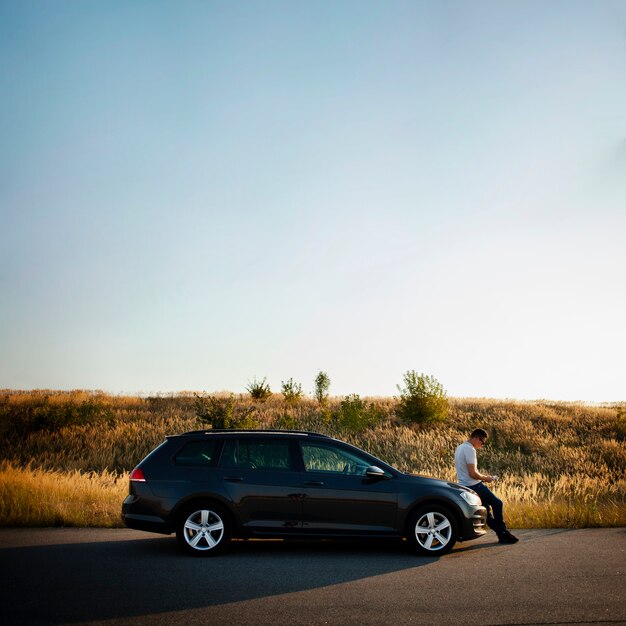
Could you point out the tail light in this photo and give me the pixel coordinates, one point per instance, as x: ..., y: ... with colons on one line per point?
x: 137, y: 476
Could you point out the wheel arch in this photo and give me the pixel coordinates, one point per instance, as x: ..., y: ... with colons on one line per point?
x: 196, y: 499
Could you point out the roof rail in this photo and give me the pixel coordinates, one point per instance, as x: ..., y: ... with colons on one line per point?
x: 246, y: 431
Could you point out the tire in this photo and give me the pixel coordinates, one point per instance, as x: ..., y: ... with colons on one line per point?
x: 203, y: 529
x: 432, y: 530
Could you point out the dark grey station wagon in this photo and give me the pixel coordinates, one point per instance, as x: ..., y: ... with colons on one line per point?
x: 210, y: 486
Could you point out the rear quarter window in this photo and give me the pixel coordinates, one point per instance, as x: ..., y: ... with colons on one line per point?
x: 197, y: 453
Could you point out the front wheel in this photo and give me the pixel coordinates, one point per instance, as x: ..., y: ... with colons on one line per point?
x: 432, y: 530
x: 203, y: 529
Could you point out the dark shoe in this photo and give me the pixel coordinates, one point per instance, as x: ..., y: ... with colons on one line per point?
x: 507, y: 537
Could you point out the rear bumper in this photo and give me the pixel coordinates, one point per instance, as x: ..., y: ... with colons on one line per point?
x: 141, y: 520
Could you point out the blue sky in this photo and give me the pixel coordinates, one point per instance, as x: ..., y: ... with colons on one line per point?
x: 194, y: 194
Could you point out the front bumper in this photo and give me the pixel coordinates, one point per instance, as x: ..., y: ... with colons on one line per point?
x: 474, y: 525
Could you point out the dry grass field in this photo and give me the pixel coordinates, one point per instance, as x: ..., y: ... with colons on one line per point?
x: 65, y: 456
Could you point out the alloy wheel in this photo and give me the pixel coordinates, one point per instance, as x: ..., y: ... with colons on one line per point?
x: 203, y: 529
x: 433, y: 531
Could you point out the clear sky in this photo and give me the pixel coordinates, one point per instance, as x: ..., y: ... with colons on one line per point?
x: 194, y: 194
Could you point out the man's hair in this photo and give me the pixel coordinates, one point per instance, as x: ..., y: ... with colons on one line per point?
x: 479, y: 432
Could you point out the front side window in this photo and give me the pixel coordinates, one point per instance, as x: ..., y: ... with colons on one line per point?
x: 323, y: 458
x: 253, y: 454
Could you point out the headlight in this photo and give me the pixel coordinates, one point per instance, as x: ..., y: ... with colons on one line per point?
x: 471, y: 498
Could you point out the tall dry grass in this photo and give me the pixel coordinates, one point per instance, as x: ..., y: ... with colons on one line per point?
x: 562, y: 464
x: 36, y: 497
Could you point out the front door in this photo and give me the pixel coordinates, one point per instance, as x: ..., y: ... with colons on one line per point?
x: 338, y: 498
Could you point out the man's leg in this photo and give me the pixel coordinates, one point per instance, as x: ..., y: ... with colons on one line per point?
x: 494, y: 506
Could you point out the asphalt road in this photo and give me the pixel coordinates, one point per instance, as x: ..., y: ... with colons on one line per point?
x: 56, y: 576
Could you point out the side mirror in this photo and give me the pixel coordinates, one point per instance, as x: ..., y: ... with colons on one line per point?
x: 375, y: 472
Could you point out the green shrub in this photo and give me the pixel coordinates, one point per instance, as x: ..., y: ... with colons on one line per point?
x: 259, y: 390
x: 322, y: 385
x: 423, y: 399
x: 292, y: 392
x: 41, y: 413
x: 357, y: 415
x: 223, y: 413
x: 286, y: 422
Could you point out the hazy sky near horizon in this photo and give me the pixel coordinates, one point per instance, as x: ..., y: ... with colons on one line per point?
x: 194, y: 194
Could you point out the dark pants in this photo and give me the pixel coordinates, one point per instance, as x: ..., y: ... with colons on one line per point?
x: 493, y: 504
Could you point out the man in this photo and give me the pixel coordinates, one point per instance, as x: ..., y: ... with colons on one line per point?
x: 465, y: 459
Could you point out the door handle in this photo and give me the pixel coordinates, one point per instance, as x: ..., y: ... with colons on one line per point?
x: 234, y: 479
x: 314, y: 483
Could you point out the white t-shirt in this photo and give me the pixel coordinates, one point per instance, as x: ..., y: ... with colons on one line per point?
x: 465, y: 454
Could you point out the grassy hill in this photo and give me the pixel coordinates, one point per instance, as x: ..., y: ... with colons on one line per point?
x: 65, y: 456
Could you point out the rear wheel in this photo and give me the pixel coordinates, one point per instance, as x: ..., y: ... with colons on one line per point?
x: 432, y: 530
x: 203, y: 529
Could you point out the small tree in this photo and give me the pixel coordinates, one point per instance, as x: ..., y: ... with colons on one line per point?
x: 259, y: 390
x: 292, y: 392
x: 422, y: 399
x: 322, y: 385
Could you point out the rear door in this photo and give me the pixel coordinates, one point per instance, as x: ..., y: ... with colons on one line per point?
x: 260, y: 477
x: 338, y: 498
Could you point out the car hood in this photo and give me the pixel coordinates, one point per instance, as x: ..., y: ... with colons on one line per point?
x: 436, y: 481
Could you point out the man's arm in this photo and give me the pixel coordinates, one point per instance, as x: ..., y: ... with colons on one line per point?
x: 476, y: 475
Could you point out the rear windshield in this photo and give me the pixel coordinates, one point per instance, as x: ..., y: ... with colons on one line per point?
x: 197, y: 453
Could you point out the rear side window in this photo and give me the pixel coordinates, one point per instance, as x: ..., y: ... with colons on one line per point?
x: 253, y: 454
x: 197, y: 453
